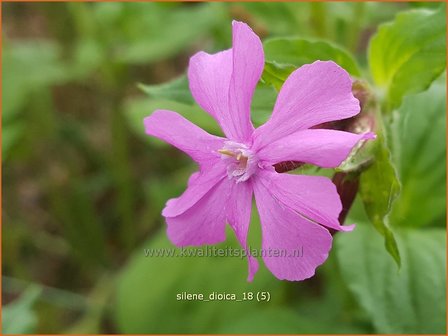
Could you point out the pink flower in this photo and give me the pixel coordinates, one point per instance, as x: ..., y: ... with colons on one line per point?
x: 295, y: 210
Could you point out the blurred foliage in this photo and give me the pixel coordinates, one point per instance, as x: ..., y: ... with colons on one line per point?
x: 205, y: 275
x: 83, y: 185
x: 18, y: 317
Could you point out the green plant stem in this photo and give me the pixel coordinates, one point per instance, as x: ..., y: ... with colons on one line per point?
x: 122, y: 176
x: 319, y: 18
x: 359, y: 10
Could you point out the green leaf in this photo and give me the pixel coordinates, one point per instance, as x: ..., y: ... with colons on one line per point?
x: 275, y: 74
x: 379, y: 187
x: 88, y: 55
x: 151, y: 285
x: 418, y: 128
x: 18, y: 317
x: 176, y: 90
x: 408, y: 301
x: 297, y: 52
x: 262, y: 104
x: 276, y: 18
x: 406, y: 55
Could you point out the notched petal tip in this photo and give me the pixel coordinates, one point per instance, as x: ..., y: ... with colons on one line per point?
x: 313, y: 94
x: 253, y: 268
x: 347, y: 228
x: 330, y: 63
x: 243, y: 30
x: 147, y: 120
x: 369, y: 136
x: 152, y: 119
x: 236, y: 23
x: 166, y: 212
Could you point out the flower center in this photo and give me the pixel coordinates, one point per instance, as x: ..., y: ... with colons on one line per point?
x: 241, y: 161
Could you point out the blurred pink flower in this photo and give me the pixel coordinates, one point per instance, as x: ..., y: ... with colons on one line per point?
x: 295, y: 210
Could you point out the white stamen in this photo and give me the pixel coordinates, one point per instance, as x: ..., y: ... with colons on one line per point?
x: 241, y: 161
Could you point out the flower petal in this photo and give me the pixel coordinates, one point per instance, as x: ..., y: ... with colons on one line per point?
x: 223, y: 83
x: 209, y: 80
x: 204, y: 222
x: 313, y: 94
x: 248, y: 65
x: 312, y: 197
x: 199, y: 184
x: 199, y: 216
x: 239, y: 209
x: 186, y: 136
x: 321, y: 147
x: 293, y: 247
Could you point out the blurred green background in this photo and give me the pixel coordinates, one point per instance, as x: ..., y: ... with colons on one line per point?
x: 83, y: 187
